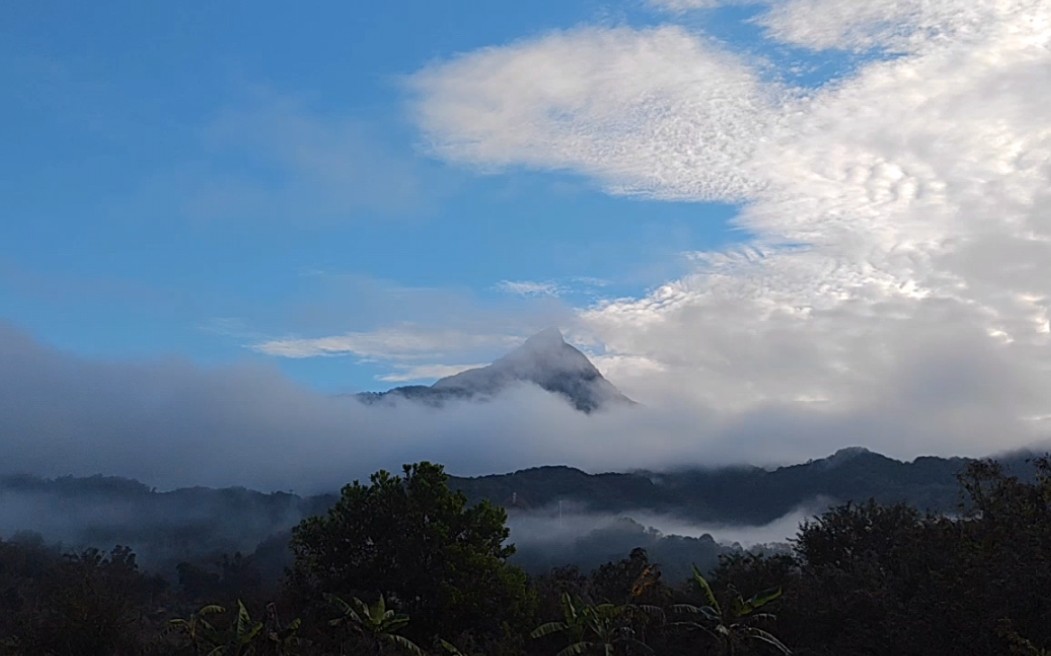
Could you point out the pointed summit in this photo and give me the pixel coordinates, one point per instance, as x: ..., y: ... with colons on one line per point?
x: 545, y: 360
x: 545, y: 339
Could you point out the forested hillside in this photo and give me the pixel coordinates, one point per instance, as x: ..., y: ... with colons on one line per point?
x: 199, y: 525
x: 407, y: 565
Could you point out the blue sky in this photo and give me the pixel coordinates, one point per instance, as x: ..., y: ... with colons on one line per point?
x: 155, y: 202
x: 780, y: 225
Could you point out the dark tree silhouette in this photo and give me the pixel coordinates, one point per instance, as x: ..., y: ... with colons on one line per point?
x: 417, y: 543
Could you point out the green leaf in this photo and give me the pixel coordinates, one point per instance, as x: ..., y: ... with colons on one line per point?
x: 739, y: 609
x: 393, y: 626
x: 764, y: 637
x: 244, y: 626
x: 568, y: 607
x: 575, y: 649
x: 451, y: 648
x: 338, y: 602
x: 549, y: 628
x: 706, y: 589
x: 761, y: 599
x: 404, y: 643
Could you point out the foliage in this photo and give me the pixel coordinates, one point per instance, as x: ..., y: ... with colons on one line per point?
x: 603, y: 628
x: 413, y: 540
x: 865, y: 578
x: 78, y: 604
x: 240, y: 636
x: 376, y: 625
x: 733, y: 625
x: 876, y: 579
x: 197, y: 629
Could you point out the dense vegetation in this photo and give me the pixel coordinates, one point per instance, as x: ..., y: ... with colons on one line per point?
x: 404, y: 564
x: 198, y: 525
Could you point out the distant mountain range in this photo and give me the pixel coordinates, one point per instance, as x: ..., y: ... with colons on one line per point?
x: 740, y: 495
x: 544, y: 360
x: 199, y: 523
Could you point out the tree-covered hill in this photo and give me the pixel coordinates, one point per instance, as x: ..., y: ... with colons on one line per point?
x: 167, y: 527
x: 735, y: 495
x: 406, y: 564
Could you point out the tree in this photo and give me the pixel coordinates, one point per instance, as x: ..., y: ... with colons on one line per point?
x: 88, y: 603
x: 882, y: 579
x: 634, y: 579
x: 416, y: 542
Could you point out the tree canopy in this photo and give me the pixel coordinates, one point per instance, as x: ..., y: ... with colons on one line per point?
x: 419, y: 544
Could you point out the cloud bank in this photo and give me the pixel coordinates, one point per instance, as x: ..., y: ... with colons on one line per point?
x: 170, y: 423
x: 896, y: 279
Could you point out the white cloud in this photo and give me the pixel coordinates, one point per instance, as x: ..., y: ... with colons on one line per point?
x: 898, y: 285
x: 897, y: 25
x: 407, y: 373
x: 529, y: 288
x: 680, y: 6
x: 393, y: 343
x: 658, y: 111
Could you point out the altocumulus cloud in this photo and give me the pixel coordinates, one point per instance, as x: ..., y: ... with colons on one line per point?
x: 897, y: 281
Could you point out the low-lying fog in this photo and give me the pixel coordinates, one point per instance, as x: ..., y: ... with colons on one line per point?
x: 547, y: 526
x: 200, y: 525
x: 172, y: 423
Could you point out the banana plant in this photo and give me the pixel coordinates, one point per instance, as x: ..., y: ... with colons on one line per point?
x: 196, y: 628
x: 238, y: 639
x: 281, y: 639
x: 594, y: 629
x: 376, y: 624
x: 732, y: 625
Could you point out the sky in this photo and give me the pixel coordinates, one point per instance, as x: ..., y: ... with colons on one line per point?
x: 783, y: 226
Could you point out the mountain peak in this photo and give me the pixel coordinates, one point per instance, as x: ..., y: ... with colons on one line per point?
x: 545, y: 360
x: 545, y: 339
x: 845, y: 455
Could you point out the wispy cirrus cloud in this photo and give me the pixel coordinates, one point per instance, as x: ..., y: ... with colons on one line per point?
x: 682, y: 6
x: 529, y: 288
x: 394, y: 343
x: 274, y: 158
